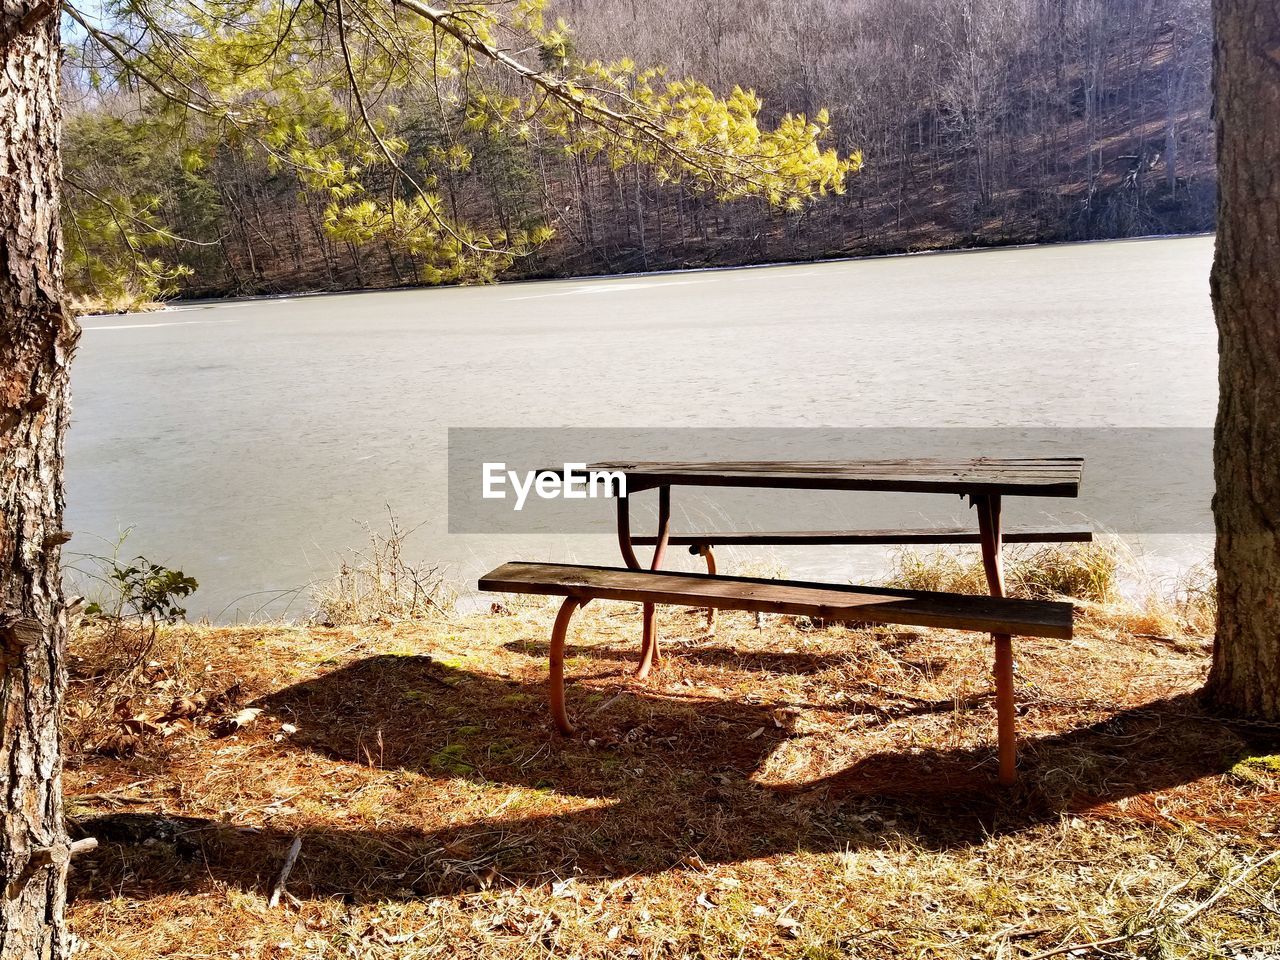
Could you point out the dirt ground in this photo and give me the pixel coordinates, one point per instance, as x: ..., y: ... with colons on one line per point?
x: 786, y: 790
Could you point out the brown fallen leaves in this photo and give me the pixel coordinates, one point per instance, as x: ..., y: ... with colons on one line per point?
x: 158, y: 701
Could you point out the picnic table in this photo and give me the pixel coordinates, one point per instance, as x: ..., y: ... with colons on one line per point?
x: 984, y: 481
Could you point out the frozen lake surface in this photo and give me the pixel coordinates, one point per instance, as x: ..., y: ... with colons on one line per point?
x: 243, y: 440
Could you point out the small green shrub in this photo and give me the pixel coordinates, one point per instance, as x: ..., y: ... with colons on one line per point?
x: 132, y: 601
x: 144, y: 591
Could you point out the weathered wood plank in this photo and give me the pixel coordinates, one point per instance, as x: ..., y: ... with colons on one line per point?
x: 825, y: 601
x: 1045, y: 477
x: 929, y: 465
x: 855, y: 537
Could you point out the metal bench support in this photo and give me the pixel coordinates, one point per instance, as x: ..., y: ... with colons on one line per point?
x: 559, y: 711
x: 990, y: 539
x: 996, y: 615
x: 704, y: 549
x: 1006, y: 709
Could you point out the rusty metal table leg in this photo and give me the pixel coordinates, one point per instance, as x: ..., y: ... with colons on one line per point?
x: 624, y: 534
x: 992, y: 542
x: 559, y: 711
x: 704, y: 550
x: 1006, y: 734
x: 649, y: 652
x: 993, y: 564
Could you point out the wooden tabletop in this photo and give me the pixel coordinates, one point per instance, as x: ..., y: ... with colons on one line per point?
x: 1040, y: 477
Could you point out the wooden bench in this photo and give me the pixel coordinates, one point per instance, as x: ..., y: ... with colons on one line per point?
x: 998, y: 616
x: 700, y: 544
x: 939, y: 535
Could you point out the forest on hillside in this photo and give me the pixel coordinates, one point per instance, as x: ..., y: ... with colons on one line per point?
x: 978, y: 122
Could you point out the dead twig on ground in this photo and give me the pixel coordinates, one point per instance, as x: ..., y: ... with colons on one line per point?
x: 1226, y: 888
x: 279, y: 889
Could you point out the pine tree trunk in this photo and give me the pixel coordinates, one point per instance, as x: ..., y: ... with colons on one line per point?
x: 37, y: 337
x: 1245, y: 679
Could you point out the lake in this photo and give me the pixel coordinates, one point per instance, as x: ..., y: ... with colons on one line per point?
x: 243, y: 441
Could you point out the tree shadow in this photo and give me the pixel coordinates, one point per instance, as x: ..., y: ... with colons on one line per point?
x: 672, y: 780
x: 709, y: 654
x: 790, y: 664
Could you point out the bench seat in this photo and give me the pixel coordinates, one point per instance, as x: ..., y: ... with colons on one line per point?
x: 833, y: 602
x: 999, y: 616
x: 938, y: 535
x: 701, y: 544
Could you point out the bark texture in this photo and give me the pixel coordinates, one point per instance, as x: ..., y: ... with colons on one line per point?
x: 1245, y: 679
x: 37, y: 337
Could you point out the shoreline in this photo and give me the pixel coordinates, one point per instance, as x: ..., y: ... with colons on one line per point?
x: 189, y: 302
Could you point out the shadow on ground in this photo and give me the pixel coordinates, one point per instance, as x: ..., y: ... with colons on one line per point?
x: 797, y: 663
x: 665, y: 782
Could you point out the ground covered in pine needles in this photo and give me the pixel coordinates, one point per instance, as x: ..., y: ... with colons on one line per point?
x: 784, y: 790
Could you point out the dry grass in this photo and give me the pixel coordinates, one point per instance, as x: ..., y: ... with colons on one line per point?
x: 378, y: 585
x: 1107, y: 582
x: 1084, y: 572
x: 769, y: 793
x: 1180, y: 612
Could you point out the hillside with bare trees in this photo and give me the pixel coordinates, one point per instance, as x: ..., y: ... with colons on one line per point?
x: 980, y: 122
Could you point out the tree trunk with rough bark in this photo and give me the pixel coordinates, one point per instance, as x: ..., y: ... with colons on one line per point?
x: 1245, y: 679
x: 37, y: 337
